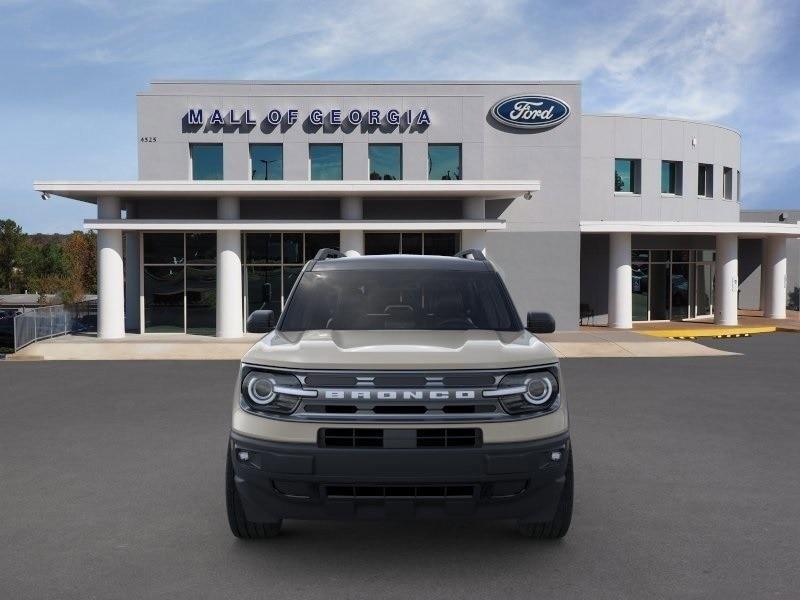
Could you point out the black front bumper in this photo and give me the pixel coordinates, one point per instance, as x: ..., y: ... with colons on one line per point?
x: 305, y: 481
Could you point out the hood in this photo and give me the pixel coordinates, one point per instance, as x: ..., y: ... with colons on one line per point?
x: 428, y: 350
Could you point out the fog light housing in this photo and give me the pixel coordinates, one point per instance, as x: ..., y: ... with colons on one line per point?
x: 243, y: 455
x: 556, y: 455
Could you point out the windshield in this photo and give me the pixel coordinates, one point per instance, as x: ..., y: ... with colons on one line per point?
x: 399, y: 299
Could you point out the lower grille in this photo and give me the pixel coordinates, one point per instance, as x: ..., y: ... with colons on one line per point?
x: 335, y: 437
x: 418, y: 492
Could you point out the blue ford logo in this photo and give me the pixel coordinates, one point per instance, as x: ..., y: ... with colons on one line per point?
x: 530, y: 112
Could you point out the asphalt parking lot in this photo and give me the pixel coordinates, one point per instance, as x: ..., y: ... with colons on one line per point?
x: 111, y: 486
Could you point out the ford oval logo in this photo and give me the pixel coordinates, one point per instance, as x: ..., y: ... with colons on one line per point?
x: 530, y: 112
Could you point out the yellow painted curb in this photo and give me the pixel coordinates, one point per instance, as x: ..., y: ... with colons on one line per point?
x: 715, y: 332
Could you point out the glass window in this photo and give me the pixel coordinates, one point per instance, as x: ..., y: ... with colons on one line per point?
x: 381, y: 243
x: 290, y: 275
x: 201, y: 300
x: 163, y: 299
x: 671, y: 176
x: 163, y: 248
x: 412, y: 243
x: 315, y: 242
x: 385, y: 161
x: 266, y: 162
x: 738, y: 186
x: 444, y: 161
x: 293, y: 248
x: 640, y: 255
x: 659, y: 255
x: 206, y: 161
x: 727, y: 183
x: 263, y: 248
x: 406, y: 299
x: 705, y: 180
x: 626, y: 175
x: 201, y: 248
x: 442, y: 244
x: 326, y: 161
x: 263, y: 289
x: 639, y: 284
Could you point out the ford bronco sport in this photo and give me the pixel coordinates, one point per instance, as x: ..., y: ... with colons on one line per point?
x: 399, y: 387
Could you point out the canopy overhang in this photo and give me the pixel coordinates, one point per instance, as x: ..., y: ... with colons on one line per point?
x: 742, y: 229
x: 291, y: 225
x: 89, y: 191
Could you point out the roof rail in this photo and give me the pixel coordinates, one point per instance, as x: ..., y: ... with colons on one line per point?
x: 471, y: 253
x: 326, y: 253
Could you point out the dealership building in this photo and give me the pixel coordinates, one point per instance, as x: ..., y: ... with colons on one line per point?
x: 611, y: 218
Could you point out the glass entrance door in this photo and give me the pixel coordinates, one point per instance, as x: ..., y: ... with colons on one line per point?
x: 680, y: 291
x: 704, y: 289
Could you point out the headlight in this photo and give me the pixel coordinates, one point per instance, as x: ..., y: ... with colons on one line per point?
x: 535, y: 391
x: 264, y: 391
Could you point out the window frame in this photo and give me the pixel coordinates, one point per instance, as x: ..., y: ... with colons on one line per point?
x: 708, y: 178
x: 250, y: 159
x: 677, y: 178
x: 636, y: 177
x: 460, y: 147
x: 369, y: 159
x: 326, y: 144
x: 192, y: 147
x: 727, y: 183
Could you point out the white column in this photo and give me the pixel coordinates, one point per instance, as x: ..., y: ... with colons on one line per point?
x: 474, y: 208
x: 131, y: 273
x: 620, y: 297
x: 351, y: 242
x: 773, y: 269
x: 229, y: 273
x: 110, y: 277
x: 726, y: 285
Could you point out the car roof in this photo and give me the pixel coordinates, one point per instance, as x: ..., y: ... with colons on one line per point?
x: 400, y: 261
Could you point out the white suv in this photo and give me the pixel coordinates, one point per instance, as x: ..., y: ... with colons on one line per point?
x: 399, y: 387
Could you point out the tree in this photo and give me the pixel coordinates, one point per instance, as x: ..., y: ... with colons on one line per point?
x: 11, y: 239
x: 81, y: 267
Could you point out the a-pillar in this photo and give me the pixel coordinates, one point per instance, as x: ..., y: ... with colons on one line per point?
x: 620, y: 295
x: 474, y: 209
x: 110, y: 273
x: 229, y: 272
x: 132, y: 301
x: 773, y: 269
x: 726, y: 286
x: 351, y: 241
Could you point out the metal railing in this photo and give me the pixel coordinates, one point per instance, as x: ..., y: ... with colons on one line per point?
x: 50, y: 321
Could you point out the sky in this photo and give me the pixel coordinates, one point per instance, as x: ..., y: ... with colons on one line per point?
x: 70, y: 70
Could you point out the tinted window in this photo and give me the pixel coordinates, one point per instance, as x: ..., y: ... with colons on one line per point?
x: 626, y: 175
x: 444, y: 161
x: 266, y: 162
x: 385, y: 161
x: 326, y: 161
x: 206, y: 161
x: 404, y: 299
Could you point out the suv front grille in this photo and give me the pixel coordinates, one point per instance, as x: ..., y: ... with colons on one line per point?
x: 335, y: 437
x: 417, y: 492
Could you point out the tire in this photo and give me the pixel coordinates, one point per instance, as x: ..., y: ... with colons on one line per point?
x: 241, y: 527
x: 559, y: 525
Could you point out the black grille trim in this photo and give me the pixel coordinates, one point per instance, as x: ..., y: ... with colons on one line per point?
x: 341, y: 437
x: 416, y: 492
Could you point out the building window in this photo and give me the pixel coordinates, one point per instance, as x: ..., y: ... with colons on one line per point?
x: 180, y: 282
x: 266, y: 162
x: 705, y: 180
x: 627, y: 175
x: 385, y: 162
x: 272, y: 263
x: 727, y: 183
x: 738, y: 186
x: 433, y: 243
x: 671, y: 177
x: 206, y: 161
x: 325, y: 162
x: 444, y: 161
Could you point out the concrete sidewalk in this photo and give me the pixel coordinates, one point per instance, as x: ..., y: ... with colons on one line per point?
x: 594, y: 342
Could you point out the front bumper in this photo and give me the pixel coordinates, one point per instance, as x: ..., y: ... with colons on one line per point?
x: 304, y: 481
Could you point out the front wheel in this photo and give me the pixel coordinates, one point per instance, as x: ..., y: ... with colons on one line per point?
x: 558, y: 526
x: 241, y: 527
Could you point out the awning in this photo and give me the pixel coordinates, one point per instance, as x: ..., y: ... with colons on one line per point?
x: 89, y: 191
x: 743, y: 229
x: 292, y: 225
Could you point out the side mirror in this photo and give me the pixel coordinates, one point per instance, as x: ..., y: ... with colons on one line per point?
x: 260, y: 321
x: 541, y: 322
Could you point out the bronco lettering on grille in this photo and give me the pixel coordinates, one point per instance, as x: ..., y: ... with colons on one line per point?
x: 399, y: 394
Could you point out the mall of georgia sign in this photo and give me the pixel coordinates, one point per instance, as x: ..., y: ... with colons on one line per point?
x: 530, y: 112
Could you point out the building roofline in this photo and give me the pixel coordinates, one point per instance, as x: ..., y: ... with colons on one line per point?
x: 364, y: 82
x: 656, y: 117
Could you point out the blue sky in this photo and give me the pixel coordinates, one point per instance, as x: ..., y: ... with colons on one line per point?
x: 70, y: 70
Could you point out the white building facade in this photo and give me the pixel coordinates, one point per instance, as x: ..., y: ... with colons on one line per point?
x: 614, y: 219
